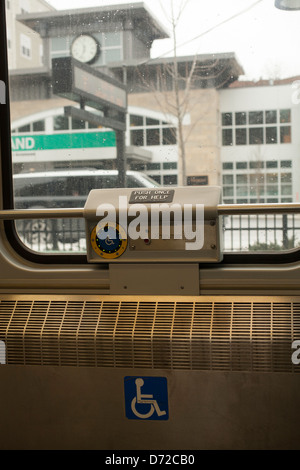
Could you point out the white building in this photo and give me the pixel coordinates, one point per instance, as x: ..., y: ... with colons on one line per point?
x: 260, y: 143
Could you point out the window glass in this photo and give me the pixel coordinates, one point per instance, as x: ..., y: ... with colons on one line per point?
x: 227, y: 179
x: 38, y: 126
x: 227, y: 119
x: 271, y: 117
x: 227, y: 166
x: 256, y: 117
x: 137, y: 137
x: 151, y: 122
x: 271, y: 135
x: 256, y: 136
x: 169, y: 136
x: 241, y: 136
x: 241, y: 165
x: 285, y: 115
x: 113, y: 55
x: 240, y: 119
x: 285, y: 134
x: 136, y: 120
x: 272, y: 164
x: 60, y: 123
x: 78, y: 124
x: 112, y: 39
x: 227, y: 137
x: 153, y: 137
x: 221, y: 109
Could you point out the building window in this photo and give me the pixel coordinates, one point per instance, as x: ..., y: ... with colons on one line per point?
x: 256, y: 127
x: 256, y: 117
x: 227, y: 138
x: 36, y: 126
x: 240, y: 119
x: 25, y: 44
x: 153, y: 137
x: 136, y: 121
x: 227, y: 166
x: 227, y: 119
x: 169, y: 136
x: 285, y: 115
x: 260, y: 182
x: 25, y: 128
x: 241, y: 137
x: 169, y: 180
x: 77, y: 124
x: 271, y: 117
x: 241, y: 165
x: 60, y: 123
x: 165, y: 173
x: 271, y: 135
x: 285, y: 135
x: 137, y: 137
x: 256, y: 136
x: 147, y: 131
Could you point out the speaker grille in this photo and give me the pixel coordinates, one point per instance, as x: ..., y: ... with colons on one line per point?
x: 201, y: 333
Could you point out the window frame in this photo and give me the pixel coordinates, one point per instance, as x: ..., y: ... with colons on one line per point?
x: 71, y: 259
x: 231, y: 127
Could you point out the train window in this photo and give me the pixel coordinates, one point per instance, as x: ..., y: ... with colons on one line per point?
x: 121, y: 109
x: 212, y: 104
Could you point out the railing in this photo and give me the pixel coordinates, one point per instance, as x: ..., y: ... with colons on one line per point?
x: 246, y: 228
x: 261, y: 232
x: 260, y: 227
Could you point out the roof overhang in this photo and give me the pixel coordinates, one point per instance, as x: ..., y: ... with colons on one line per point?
x: 46, y: 23
x: 210, y: 70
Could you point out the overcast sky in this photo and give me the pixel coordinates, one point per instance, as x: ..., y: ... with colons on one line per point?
x: 265, y: 40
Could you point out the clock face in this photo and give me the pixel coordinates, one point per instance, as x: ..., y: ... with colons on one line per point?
x: 85, y: 48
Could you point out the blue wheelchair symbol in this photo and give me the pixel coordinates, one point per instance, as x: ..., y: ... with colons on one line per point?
x: 146, y: 398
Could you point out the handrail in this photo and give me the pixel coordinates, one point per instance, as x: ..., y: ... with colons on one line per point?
x: 222, y: 209
x: 239, y: 209
x: 15, y: 214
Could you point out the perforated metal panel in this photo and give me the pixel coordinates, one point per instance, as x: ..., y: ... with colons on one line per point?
x: 199, y: 333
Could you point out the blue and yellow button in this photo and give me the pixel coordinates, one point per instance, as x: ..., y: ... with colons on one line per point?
x: 109, y: 240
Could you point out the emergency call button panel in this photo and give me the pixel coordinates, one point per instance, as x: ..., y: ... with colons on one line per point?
x: 153, y: 225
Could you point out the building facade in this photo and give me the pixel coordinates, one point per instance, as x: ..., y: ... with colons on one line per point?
x: 260, y: 143
x: 122, y: 39
x: 25, y: 48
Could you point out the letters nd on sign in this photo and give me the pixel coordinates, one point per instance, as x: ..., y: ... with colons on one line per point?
x: 76, y: 140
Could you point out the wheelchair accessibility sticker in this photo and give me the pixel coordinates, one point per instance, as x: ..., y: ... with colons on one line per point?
x: 146, y: 398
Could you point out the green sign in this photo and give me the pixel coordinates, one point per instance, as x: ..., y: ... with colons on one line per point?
x: 76, y: 140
